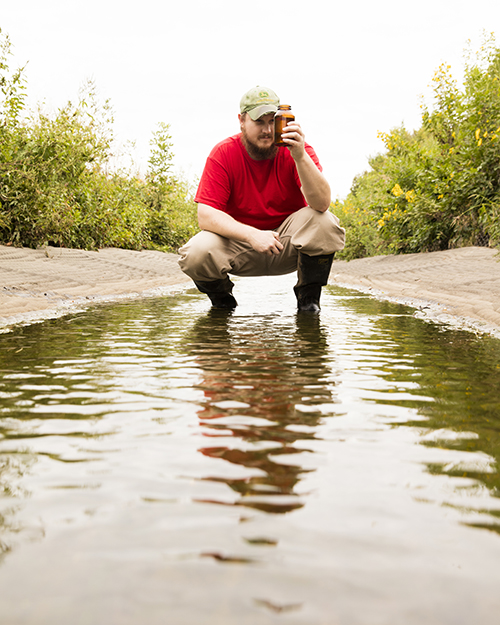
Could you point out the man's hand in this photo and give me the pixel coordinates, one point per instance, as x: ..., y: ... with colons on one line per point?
x: 293, y: 136
x: 265, y: 242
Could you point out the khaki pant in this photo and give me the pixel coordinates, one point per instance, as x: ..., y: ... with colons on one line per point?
x: 208, y: 256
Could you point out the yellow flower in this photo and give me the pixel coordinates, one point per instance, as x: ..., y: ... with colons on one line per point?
x: 478, y: 130
x: 410, y: 196
x: 397, y: 190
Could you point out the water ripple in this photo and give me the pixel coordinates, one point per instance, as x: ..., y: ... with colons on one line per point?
x: 258, y: 464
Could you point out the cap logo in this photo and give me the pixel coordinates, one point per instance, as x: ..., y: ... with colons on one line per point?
x: 263, y: 94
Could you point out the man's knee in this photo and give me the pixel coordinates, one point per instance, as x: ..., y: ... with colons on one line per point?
x: 196, y: 256
x: 203, y: 257
x: 316, y: 233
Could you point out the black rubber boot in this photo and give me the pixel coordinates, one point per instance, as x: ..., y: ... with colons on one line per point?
x: 313, y: 272
x: 219, y: 292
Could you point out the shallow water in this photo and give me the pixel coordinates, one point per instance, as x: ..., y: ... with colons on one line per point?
x: 164, y: 463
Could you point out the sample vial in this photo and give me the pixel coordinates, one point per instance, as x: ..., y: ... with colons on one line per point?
x: 281, y: 118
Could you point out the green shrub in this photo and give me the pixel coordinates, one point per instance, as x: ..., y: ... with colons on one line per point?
x: 438, y: 187
x: 173, y: 213
x: 57, y: 185
x: 362, y: 237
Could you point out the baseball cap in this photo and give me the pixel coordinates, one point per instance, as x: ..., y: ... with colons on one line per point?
x: 259, y: 101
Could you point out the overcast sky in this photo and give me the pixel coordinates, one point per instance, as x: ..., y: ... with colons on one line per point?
x: 349, y: 69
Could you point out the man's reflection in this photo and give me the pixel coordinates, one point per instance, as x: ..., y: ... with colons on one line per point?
x: 268, y: 371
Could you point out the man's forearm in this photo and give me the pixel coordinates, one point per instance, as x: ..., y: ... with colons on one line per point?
x: 315, y: 187
x: 217, y: 221
x: 214, y: 220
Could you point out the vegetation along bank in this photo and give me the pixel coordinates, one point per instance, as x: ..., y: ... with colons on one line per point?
x: 437, y: 187
x: 434, y: 188
x: 58, y: 185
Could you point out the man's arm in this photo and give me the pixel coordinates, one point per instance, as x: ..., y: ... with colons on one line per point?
x: 314, y: 185
x: 219, y: 222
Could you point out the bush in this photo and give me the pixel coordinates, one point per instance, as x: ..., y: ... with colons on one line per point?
x: 438, y: 187
x: 173, y: 214
x: 362, y: 237
x: 57, y: 184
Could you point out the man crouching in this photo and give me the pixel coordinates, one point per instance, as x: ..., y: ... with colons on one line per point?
x: 263, y: 210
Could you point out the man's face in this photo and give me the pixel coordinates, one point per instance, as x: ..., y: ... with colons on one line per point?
x: 258, y: 136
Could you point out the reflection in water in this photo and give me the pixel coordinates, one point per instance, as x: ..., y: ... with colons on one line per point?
x: 451, y: 378
x: 461, y: 373
x: 249, y: 466
x: 262, y: 381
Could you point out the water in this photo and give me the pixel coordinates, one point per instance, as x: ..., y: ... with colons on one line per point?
x: 164, y: 463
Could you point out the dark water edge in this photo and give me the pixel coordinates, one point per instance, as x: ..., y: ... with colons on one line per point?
x: 158, y: 458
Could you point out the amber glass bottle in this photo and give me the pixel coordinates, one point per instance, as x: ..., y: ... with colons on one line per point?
x: 282, y: 117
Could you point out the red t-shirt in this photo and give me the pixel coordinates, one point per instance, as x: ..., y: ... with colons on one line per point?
x: 257, y: 193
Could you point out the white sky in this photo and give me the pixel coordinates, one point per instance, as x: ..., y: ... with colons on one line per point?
x: 349, y: 69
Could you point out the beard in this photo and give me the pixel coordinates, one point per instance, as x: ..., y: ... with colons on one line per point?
x: 256, y: 152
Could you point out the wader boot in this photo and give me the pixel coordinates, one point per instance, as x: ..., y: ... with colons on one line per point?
x: 219, y: 292
x: 313, y: 272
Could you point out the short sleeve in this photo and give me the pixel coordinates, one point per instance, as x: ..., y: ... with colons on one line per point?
x: 214, y: 187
